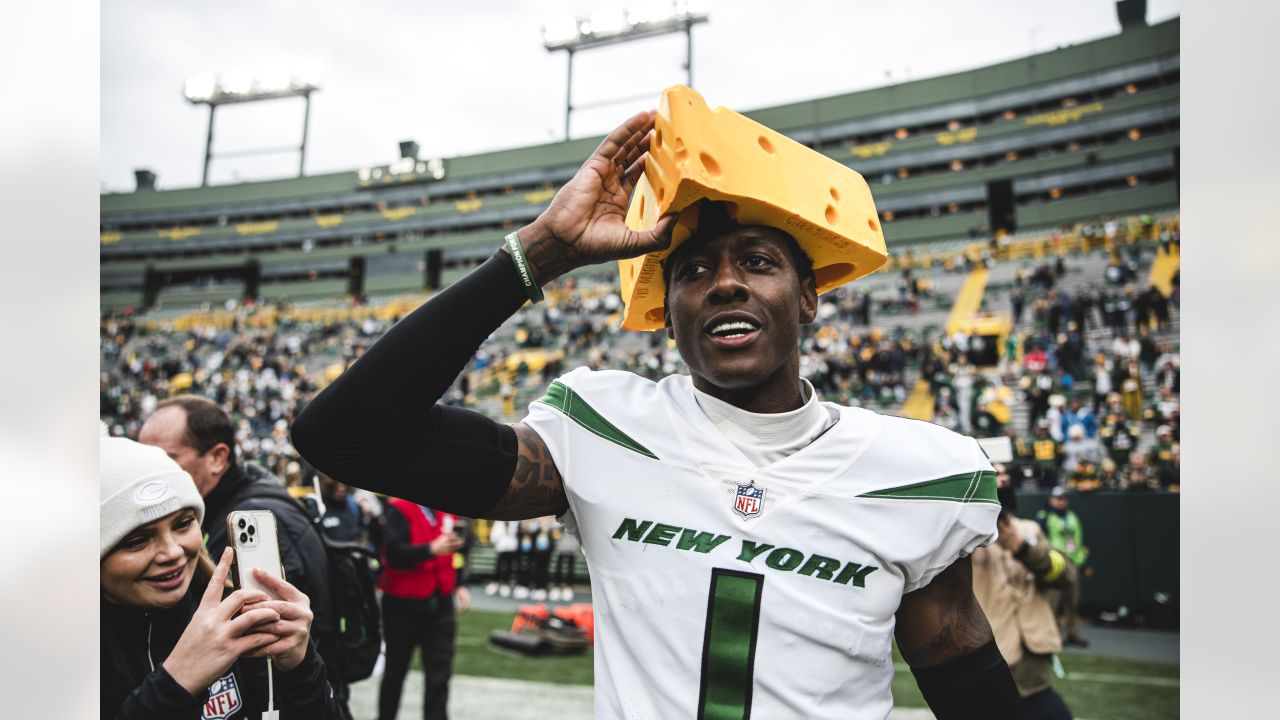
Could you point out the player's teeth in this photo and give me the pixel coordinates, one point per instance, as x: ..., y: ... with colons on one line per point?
x: 732, y: 328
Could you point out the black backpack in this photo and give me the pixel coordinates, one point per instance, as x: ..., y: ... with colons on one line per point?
x: 353, y: 578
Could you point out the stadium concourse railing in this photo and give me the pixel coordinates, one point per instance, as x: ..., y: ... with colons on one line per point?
x: 1042, y: 244
x: 1033, y: 245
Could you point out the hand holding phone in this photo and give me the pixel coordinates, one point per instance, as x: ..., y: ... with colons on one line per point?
x: 252, y: 534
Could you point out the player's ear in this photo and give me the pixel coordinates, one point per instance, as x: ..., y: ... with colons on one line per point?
x: 808, y: 300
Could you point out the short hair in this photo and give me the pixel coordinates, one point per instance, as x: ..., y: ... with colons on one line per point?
x: 207, y: 423
x: 714, y: 221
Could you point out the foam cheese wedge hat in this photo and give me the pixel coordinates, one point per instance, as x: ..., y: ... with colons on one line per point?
x: 766, y: 178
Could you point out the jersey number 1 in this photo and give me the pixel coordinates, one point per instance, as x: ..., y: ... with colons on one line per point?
x: 729, y: 645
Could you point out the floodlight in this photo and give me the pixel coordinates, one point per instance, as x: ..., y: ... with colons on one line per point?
x: 239, y: 86
x: 236, y: 82
x: 307, y: 77
x: 274, y: 80
x: 691, y: 8
x: 560, y: 30
x: 642, y: 19
x: 200, y: 88
x: 608, y: 22
x: 649, y: 11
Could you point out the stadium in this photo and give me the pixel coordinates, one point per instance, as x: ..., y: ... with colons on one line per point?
x: 1031, y: 214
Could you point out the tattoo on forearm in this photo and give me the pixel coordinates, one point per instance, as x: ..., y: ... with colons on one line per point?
x: 942, y: 620
x: 536, y: 489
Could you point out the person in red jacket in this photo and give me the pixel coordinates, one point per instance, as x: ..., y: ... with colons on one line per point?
x: 420, y: 591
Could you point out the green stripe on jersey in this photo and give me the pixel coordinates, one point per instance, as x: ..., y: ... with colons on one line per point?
x: 964, y: 488
x: 729, y: 646
x: 560, y: 397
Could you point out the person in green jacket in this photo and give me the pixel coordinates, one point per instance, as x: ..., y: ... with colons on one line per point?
x: 1065, y: 534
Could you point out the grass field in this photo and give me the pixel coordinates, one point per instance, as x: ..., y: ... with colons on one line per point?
x: 1096, y: 688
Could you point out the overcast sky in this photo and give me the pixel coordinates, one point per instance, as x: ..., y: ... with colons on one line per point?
x: 464, y: 77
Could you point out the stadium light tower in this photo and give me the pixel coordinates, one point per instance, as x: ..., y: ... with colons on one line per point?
x: 240, y: 87
x: 610, y: 27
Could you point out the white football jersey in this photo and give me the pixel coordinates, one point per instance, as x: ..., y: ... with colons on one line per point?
x: 723, y: 590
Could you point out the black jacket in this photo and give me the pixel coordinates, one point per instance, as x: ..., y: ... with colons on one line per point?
x: 134, y: 641
x: 306, y: 565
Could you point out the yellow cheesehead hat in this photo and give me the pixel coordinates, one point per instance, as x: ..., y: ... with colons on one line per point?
x: 764, y: 177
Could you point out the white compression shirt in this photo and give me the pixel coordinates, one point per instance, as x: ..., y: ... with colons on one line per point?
x: 768, y: 437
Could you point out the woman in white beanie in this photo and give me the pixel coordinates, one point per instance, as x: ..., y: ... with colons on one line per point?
x: 172, y: 646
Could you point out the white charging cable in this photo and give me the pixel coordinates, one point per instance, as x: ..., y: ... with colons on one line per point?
x: 271, y: 713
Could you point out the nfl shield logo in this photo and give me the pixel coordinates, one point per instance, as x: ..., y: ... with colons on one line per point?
x: 749, y: 500
x: 224, y: 698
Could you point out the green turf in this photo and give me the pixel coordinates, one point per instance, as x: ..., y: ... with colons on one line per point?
x: 475, y: 656
x: 1103, y: 688
x: 1095, y: 687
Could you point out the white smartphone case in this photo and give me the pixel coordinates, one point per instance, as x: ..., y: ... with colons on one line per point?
x: 252, y: 533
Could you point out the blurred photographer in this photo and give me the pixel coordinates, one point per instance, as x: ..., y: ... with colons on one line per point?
x: 1010, y: 579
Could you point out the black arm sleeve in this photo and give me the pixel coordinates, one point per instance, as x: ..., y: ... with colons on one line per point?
x: 400, y: 552
x: 974, y: 685
x: 379, y: 426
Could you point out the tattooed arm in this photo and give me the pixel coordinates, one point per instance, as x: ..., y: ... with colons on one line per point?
x: 942, y: 620
x: 536, y: 489
x: 945, y: 638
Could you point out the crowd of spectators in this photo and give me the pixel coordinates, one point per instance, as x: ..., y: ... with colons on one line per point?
x: 1093, y: 364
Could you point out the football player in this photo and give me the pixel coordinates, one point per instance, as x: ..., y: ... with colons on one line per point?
x: 753, y: 551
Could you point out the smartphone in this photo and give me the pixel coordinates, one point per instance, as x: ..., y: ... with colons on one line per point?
x: 252, y: 534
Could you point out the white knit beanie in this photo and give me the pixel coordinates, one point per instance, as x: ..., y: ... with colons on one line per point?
x: 140, y: 484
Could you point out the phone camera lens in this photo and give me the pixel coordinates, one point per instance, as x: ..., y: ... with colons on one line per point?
x: 251, y: 529
x: 244, y: 538
x: 241, y: 523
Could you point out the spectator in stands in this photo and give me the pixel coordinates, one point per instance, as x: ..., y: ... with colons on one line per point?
x: 1079, y: 448
x: 1108, y: 477
x: 198, y: 435
x: 1118, y: 435
x: 962, y: 379
x: 1102, y: 382
x: 1078, y: 415
x: 1165, y: 458
x: 985, y: 424
x: 1129, y: 378
x: 1054, y: 416
x: 1085, y: 476
x: 1125, y: 348
x: 1039, y: 391
x: 1047, y: 453
x: 946, y: 415
x: 1169, y: 376
x: 1017, y: 301
x: 1148, y: 350
x: 1137, y: 475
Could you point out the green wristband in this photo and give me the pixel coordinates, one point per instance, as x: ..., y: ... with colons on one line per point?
x: 516, y: 251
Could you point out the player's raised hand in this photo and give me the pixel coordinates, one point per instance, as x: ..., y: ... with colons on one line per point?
x: 586, y: 221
